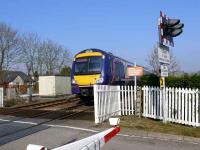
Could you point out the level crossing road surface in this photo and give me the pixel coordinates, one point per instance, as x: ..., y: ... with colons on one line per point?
x: 61, y: 132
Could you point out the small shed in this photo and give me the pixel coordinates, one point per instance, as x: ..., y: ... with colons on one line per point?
x: 54, y: 85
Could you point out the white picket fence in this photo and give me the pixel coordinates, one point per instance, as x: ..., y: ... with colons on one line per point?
x: 1, y: 97
x: 172, y: 104
x: 127, y: 101
x: 113, y: 100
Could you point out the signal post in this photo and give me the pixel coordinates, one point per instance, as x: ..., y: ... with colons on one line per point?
x: 167, y: 29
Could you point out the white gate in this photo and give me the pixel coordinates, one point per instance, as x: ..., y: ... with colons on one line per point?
x: 172, y: 104
x: 106, y: 102
x: 1, y: 97
x: 113, y: 100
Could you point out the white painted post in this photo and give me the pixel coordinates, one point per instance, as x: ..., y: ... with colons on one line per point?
x: 193, y: 107
x: 179, y: 105
x: 189, y: 106
x: 135, y: 88
x: 108, y: 107
x: 197, y: 108
x: 129, y: 109
x: 119, y: 100
x: 143, y: 101
x: 132, y: 101
x: 96, y: 109
x: 161, y: 103
x: 164, y: 106
x: 122, y: 91
x: 158, y: 103
x: 186, y: 106
x: 170, y: 105
x: 183, y: 106
x: 176, y: 105
x: 1, y: 97
x: 149, y: 101
x: 125, y: 91
x: 154, y: 102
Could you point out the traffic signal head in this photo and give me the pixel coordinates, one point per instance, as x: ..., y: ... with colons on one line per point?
x: 172, y: 27
x: 169, y: 28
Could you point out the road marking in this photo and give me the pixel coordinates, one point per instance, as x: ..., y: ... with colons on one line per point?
x: 4, y: 120
x: 25, y: 122
x: 95, y: 131
x: 71, y: 127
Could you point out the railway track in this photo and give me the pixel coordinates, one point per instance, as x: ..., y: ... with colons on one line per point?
x: 73, y: 105
x: 38, y: 106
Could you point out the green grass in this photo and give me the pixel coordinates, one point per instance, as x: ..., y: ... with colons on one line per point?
x: 150, y: 125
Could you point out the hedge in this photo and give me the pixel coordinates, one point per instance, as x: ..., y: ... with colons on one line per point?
x: 185, y: 81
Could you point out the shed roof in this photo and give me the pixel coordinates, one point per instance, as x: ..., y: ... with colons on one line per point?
x: 9, y: 76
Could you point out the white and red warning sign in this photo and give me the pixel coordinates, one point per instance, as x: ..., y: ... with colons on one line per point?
x: 164, y: 39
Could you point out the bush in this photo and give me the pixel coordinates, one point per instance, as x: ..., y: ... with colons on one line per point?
x: 150, y: 80
x: 185, y: 81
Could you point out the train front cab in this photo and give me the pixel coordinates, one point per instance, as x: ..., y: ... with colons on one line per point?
x: 87, y: 70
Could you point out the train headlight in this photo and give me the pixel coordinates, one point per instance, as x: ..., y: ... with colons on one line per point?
x: 74, y: 81
x: 100, y: 80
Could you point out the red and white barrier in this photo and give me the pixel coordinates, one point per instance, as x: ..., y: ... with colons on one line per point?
x: 94, y: 142
x: 35, y: 147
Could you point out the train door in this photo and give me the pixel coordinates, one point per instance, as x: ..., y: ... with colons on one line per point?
x: 118, y: 72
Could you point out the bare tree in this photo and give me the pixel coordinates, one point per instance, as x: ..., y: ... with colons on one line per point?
x: 43, y: 57
x: 8, y: 47
x: 155, y: 65
x: 30, y: 45
x: 55, y: 57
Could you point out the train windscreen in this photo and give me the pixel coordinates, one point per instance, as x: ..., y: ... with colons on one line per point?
x: 88, y: 65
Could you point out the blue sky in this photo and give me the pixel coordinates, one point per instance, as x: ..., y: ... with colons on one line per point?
x: 127, y: 28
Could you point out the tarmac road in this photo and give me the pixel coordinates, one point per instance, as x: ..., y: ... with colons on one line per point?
x: 66, y: 132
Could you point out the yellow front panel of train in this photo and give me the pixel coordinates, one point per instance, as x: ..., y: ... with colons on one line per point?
x: 86, y: 79
x: 88, y: 54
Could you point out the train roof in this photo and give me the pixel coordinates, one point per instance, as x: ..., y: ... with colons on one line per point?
x: 108, y: 53
x: 103, y: 52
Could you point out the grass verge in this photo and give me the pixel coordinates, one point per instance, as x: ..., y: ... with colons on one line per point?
x: 150, y: 125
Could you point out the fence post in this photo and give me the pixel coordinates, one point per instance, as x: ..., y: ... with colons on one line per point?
x: 139, y: 102
x: 1, y: 97
x: 164, y: 105
x: 119, y: 100
x: 96, y: 109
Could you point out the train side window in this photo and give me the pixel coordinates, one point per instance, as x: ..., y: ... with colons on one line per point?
x: 120, y: 69
x: 111, y: 66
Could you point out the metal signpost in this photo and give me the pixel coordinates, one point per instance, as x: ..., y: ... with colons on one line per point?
x: 167, y: 28
x: 134, y: 72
